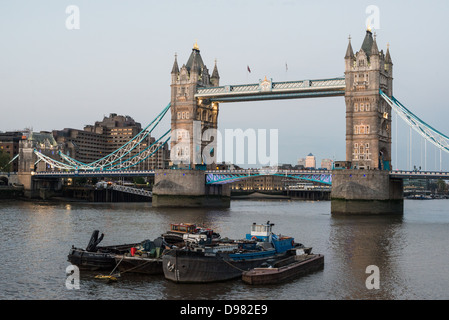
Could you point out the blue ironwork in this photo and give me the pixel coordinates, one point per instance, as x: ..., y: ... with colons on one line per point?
x: 219, y: 177
x: 115, y: 160
x: 437, y: 138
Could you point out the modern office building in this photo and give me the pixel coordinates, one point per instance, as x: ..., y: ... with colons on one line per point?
x: 326, y: 164
x: 310, y: 161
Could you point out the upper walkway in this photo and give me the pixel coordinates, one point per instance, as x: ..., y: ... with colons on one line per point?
x: 269, y: 90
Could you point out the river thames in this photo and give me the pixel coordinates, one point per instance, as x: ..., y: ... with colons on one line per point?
x: 409, y: 250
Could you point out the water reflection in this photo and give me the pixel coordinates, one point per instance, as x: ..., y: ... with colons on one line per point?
x: 36, y: 238
x: 360, y: 241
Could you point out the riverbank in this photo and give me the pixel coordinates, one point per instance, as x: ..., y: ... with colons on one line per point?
x: 11, y: 192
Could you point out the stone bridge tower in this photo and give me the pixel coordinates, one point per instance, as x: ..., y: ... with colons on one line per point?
x: 368, y: 136
x: 190, y: 117
x: 368, y: 116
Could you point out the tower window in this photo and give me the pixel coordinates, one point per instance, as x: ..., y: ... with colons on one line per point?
x: 356, y: 107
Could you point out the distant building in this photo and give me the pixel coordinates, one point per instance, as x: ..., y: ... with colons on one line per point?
x: 302, y: 162
x: 268, y: 183
x: 326, y: 164
x: 9, y: 144
x: 310, y: 161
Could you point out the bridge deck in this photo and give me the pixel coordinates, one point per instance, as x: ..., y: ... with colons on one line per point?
x: 249, y: 172
x: 274, y: 90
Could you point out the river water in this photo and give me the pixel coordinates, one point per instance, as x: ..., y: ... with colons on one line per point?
x: 410, y: 251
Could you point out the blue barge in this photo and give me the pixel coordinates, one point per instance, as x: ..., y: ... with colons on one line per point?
x: 227, y: 259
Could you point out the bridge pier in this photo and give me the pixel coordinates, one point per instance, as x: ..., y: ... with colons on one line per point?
x: 187, y: 188
x: 366, y: 192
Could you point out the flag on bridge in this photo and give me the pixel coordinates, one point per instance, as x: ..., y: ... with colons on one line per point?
x: 249, y: 70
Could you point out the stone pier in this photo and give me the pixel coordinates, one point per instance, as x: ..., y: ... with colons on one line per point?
x: 366, y: 192
x: 187, y: 188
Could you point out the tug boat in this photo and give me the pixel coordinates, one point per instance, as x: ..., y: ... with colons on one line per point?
x: 227, y: 259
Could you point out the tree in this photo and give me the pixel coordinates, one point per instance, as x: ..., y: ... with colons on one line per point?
x: 5, y: 166
x: 139, y: 180
x: 441, y: 186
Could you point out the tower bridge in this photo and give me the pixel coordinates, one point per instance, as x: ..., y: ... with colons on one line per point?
x: 196, y: 96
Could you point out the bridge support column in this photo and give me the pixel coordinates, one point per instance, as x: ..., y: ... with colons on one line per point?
x: 187, y: 188
x: 366, y: 192
x: 26, y: 167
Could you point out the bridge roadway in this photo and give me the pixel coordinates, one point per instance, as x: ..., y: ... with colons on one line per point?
x: 228, y: 176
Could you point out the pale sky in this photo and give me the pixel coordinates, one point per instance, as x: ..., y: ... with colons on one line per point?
x: 120, y: 59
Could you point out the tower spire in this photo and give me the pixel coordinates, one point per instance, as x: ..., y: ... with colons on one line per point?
x: 367, y: 42
x: 215, y: 76
x: 349, y: 51
x: 175, y: 68
x: 374, y: 48
x: 387, y: 55
x: 195, y: 46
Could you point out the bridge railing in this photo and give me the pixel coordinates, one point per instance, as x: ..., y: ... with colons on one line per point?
x: 276, y: 171
x: 302, y: 85
x: 8, y: 173
x: 93, y: 173
x: 132, y: 190
x: 417, y: 173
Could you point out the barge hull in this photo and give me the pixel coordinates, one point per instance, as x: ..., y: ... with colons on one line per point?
x: 139, y: 265
x: 182, y: 268
x: 263, y: 276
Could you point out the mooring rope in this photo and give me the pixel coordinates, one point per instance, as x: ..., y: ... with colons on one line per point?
x: 233, y: 266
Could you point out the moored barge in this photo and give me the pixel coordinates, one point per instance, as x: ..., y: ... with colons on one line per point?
x: 227, y: 259
x: 144, y: 259
x: 96, y: 257
x: 284, y: 270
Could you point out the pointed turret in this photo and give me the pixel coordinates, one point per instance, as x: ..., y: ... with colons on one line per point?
x: 349, y: 51
x: 367, y: 43
x: 388, y: 63
x: 195, y: 62
x: 374, y: 48
x: 175, y: 69
x: 215, y: 78
x: 387, y: 56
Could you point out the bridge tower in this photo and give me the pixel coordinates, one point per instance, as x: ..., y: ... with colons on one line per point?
x: 191, y: 117
x: 191, y: 146
x: 368, y: 116
x: 367, y: 188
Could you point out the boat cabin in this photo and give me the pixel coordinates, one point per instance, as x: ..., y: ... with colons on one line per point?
x: 183, y: 227
x: 260, y: 232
